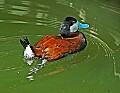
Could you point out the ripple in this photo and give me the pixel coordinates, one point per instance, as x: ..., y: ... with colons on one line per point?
x: 25, y: 2
x: 65, y: 2
x: 38, y: 14
x: 109, y: 52
x: 11, y: 68
x: 19, y: 36
x: 82, y: 14
x: 109, y: 7
x: 116, y: 37
x: 18, y: 12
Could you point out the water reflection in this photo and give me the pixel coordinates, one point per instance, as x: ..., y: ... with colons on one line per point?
x: 1, y: 4
x: 116, y: 37
x: 25, y: 2
x: 38, y: 13
x: 107, y: 6
x: 18, y: 10
x: 65, y: 2
x: 82, y: 14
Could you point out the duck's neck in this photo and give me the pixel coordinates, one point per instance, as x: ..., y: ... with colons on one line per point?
x: 72, y: 34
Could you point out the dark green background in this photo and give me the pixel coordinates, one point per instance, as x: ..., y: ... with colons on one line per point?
x: 94, y: 70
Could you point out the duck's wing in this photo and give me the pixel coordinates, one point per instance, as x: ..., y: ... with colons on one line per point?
x: 43, y: 41
x: 41, y: 45
x: 51, y: 47
x: 55, y: 51
x: 62, y: 47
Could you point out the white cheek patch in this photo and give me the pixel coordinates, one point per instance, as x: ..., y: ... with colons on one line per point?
x: 74, y: 27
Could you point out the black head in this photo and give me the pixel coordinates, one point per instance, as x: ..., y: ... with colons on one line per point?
x: 68, y: 25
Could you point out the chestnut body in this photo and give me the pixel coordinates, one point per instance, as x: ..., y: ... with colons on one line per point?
x: 55, y: 47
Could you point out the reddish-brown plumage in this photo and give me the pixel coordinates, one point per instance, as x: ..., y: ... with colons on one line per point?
x: 55, y: 47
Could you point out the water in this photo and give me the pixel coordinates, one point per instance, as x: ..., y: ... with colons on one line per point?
x: 94, y: 70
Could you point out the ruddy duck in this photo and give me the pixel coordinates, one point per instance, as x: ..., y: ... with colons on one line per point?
x: 53, y: 47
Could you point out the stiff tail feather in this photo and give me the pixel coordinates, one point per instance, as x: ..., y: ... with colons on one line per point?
x: 24, y: 42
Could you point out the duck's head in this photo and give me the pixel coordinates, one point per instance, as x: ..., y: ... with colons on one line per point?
x: 71, y: 25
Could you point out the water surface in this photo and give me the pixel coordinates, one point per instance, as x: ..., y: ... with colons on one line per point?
x: 94, y: 70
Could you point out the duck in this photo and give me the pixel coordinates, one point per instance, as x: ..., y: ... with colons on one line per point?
x: 54, y: 47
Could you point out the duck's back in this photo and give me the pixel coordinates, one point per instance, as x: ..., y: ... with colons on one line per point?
x: 54, y: 47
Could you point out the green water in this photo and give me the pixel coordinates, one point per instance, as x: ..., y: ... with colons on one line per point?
x: 94, y: 70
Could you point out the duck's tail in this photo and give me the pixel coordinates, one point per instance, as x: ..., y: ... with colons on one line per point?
x: 29, y: 51
x: 24, y: 42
